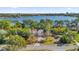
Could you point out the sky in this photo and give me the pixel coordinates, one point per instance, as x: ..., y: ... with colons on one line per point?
x: 39, y: 9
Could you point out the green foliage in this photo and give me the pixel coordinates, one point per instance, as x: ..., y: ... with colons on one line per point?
x: 24, y: 32
x: 3, y: 34
x: 16, y: 34
x: 5, y: 24
x: 18, y: 24
x: 72, y: 33
x: 14, y: 42
x: 45, y: 24
x: 12, y: 31
x: 2, y: 39
x: 77, y: 37
x: 48, y: 40
x: 32, y: 39
x: 59, y: 23
x: 30, y: 23
x: 65, y: 39
x: 77, y: 20
x: 59, y: 30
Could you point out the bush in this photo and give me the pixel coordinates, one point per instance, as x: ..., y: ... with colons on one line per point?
x: 48, y: 40
x: 32, y: 39
x: 15, y: 41
x: 77, y: 37
x: 72, y: 33
x: 12, y: 31
x: 2, y: 39
x: 24, y: 32
x: 58, y: 30
x: 3, y: 34
x: 65, y: 39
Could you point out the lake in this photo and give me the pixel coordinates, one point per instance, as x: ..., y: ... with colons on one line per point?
x: 37, y: 18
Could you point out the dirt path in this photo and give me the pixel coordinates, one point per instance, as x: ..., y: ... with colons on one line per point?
x: 53, y: 47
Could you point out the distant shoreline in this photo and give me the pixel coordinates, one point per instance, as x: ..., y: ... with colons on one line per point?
x: 38, y: 14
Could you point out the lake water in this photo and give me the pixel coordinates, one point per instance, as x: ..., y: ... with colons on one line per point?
x: 37, y: 18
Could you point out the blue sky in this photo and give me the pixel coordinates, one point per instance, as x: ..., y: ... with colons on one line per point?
x: 39, y: 9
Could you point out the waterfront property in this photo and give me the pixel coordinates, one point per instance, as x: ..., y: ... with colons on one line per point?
x: 39, y: 32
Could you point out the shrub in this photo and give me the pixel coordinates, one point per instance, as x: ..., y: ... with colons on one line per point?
x: 3, y: 34
x: 77, y: 37
x: 24, y: 32
x: 2, y: 39
x: 72, y: 33
x: 48, y: 40
x: 15, y: 41
x: 58, y: 30
x: 12, y: 31
x: 32, y: 39
x: 65, y: 39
